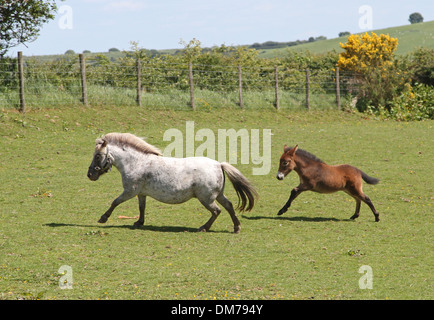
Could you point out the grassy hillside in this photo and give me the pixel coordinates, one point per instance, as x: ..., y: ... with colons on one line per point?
x: 410, y: 37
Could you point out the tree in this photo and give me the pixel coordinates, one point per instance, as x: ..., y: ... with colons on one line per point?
x: 415, y: 17
x: 21, y: 21
x: 344, y: 34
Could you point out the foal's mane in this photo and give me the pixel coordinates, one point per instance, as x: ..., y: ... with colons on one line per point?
x: 128, y: 139
x: 307, y: 155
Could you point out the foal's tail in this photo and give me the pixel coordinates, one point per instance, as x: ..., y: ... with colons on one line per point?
x: 369, y: 179
x: 242, y: 186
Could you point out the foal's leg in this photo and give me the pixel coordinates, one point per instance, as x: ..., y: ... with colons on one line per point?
x: 215, y: 211
x: 142, y: 207
x: 357, y: 213
x: 369, y: 203
x: 229, y: 207
x: 122, y: 198
x: 294, y: 193
x: 357, y: 193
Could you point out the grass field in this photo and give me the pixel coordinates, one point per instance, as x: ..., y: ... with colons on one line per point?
x: 410, y: 37
x: 49, y: 211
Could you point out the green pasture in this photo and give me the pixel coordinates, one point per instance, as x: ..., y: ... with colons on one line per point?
x: 49, y: 211
x: 410, y: 37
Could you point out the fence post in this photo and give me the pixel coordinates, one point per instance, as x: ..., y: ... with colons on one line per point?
x: 83, y: 79
x: 240, y: 87
x: 276, y: 79
x: 190, y: 81
x: 307, y: 90
x: 21, y: 81
x: 139, y: 83
x: 338, y: 90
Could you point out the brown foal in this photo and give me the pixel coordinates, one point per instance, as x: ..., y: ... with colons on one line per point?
x: 315, y: 175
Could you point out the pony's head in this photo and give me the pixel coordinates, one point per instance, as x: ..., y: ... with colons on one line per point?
x: 101, y: 162
x: 287, y: 162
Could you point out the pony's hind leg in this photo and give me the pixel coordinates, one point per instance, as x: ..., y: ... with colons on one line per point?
x: 215, y: 211
x: 229, y: 207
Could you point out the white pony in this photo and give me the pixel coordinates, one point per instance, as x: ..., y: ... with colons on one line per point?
x: 170, y: 180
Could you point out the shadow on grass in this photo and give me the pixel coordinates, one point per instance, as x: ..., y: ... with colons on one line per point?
x: 175, y: 229
x: 300, y: 218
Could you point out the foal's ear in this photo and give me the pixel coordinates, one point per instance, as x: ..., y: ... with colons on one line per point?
x: 291, y: 152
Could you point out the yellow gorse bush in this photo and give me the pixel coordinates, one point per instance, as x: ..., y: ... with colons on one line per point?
x: 363, y: 53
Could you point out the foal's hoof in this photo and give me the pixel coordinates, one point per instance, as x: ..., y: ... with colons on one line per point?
x: 237, y: 229
x: 281, y: 211
x: 103, y: 219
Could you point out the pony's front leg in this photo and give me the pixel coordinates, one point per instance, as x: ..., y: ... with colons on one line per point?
x: 294, y: 193
x: 142, y: 207
x: 122, y: 198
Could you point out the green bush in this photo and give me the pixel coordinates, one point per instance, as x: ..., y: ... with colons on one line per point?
x: 417, y: 103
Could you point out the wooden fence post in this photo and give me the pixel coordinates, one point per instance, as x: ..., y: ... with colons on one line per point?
x: 83, y: 79
x: 191, y: 83
x: 139, y: 83
x: 338, y: 90
x: 276, y: 79
x: 21, y: 81
x: 307, y: 90
x: 240, y: 87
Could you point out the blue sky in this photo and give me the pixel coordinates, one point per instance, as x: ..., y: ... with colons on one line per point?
x: 98, y: 25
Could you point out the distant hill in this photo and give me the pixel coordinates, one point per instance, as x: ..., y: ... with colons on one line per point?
x: 409, y: 37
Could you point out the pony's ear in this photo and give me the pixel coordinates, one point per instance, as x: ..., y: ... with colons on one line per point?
x: 285, y: 148
x: 101, y: 143
x: 295, y: 148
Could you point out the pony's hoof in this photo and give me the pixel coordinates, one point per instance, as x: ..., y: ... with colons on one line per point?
x: 237, y: 229
x: 202, y: 229
x: 138, y: 224
x: 281, y: 211
x: 103, y: 219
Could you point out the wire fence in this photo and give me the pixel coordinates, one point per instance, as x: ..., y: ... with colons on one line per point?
x: 159, y: 84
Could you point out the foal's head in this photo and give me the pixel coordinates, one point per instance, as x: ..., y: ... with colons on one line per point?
x: 287, y: 162
x: 101, y: 162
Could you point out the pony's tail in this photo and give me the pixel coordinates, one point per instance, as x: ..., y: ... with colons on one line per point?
x: 369, y: 179
x: 242, y: 186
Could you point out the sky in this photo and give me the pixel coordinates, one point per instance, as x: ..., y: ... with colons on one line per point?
x: 98, y: 25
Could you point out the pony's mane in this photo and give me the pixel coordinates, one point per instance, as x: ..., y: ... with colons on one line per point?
x: 128, y: 139
x: 307, y: 155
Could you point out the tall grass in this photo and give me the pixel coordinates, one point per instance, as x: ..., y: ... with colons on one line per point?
x: 50, y: 96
